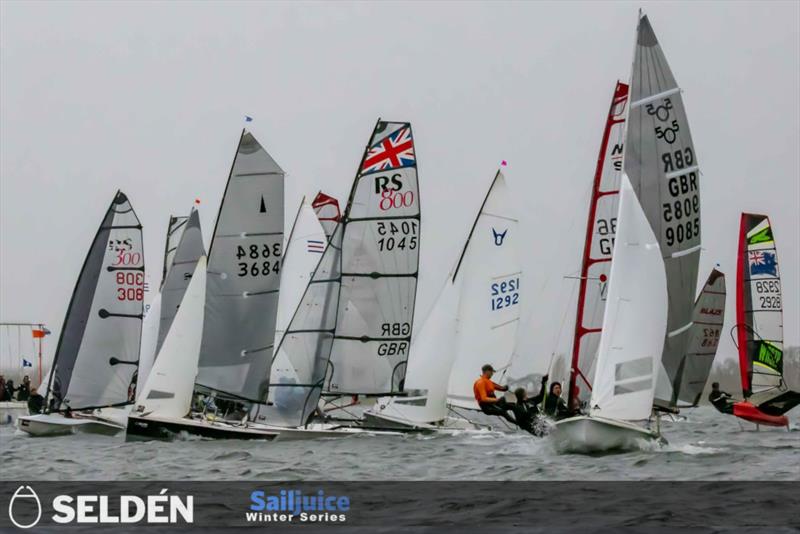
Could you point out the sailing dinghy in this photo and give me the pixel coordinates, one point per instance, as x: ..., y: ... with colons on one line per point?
x: 654, y: 269
x: 97, y: 355
x: 474, y: 320
x: 230, y: 357
x: 759, y: 327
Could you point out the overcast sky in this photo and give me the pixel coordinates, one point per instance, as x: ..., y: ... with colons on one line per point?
x: 150, y: 98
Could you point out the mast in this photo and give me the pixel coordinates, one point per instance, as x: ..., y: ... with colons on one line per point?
x: 608, y: 164
x: 741, y: 258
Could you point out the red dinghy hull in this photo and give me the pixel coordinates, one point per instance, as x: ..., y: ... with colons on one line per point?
x: 748, y: 412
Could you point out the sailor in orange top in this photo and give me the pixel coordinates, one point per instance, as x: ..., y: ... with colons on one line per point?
x: 484, y: 389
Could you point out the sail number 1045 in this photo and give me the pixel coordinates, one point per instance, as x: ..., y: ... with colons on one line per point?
x: 505, y: 294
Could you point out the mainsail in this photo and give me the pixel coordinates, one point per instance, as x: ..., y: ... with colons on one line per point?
x: 327, y: 209
x: 179, y: 273
x: 98, y: 351
x: 759, y: 310
x: 244, y: 265
x: 379, y: 262
x: 704, y: 335
x: 661, y: 164
x: 352, y: 330
x: 489, y: 303
x: 175, y: 228
x: 601, y: 229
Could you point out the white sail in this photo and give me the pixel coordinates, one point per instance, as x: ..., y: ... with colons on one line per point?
x: 147, y: 352
x: 302, y: 254
x: 490, y: 296
x: 169, y: 387
x: 635, y: 320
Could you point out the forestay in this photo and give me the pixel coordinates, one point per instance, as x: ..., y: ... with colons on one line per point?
x: 179, y: 273
x: 635, y: 318
x: 759, y: 308
x: 98, y: 351
x: 327, y: 209
x: 244, y: 266
x: 704, y: 335
x: 661, y: 164
x: 600, y: 233
x: 490, y: 295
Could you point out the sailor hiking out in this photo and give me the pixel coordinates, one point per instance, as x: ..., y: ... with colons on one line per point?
x: 484, y: 390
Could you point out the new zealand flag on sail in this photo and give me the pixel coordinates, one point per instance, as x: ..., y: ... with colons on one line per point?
x: 763, y: 262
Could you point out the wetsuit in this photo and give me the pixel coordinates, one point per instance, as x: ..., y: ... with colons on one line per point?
x: 484, y: 388
x: 35, y: 404
x: 722, y: 401
x: 555, y: 407
x: 527, y: 411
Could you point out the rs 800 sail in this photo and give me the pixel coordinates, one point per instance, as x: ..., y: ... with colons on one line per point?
x: 98, y: 351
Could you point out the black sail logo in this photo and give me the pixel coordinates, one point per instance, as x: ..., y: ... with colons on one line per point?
x: 24, y: 508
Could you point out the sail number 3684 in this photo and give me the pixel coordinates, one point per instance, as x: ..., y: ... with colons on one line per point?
x: 267, y: 259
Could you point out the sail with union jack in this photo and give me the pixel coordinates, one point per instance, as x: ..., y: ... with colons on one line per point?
x: 394, y: 151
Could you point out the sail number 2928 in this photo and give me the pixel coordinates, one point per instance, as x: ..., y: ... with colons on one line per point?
x: 258, y: 260
x: 505, y: 294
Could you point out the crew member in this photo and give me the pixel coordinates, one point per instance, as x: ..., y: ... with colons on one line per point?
x: 35, y: 402
x: 721, y: 400
x: 526, y: 410
x: 554, y: 405
x: 484, y: 389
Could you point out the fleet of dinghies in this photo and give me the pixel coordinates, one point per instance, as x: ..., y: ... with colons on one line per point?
x: 270, y: 336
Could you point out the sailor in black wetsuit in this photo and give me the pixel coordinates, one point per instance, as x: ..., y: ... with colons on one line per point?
x: 722, y: 401
x: 526, y: 410
x: 554, y: 405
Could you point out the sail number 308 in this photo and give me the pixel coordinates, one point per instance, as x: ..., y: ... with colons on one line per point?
x: 267, y: 259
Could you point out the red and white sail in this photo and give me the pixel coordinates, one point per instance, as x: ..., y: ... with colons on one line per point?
x: 600, y: 232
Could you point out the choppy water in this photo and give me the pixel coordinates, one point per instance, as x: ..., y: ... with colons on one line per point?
x: 707, y: 446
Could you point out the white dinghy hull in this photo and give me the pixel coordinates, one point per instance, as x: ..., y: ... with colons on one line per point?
x: 10, y: 411
x: 58, y: 425
x: 585, y: 434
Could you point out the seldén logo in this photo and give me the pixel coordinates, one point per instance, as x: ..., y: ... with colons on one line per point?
x: 292, y: 506
x: 25, y: 509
